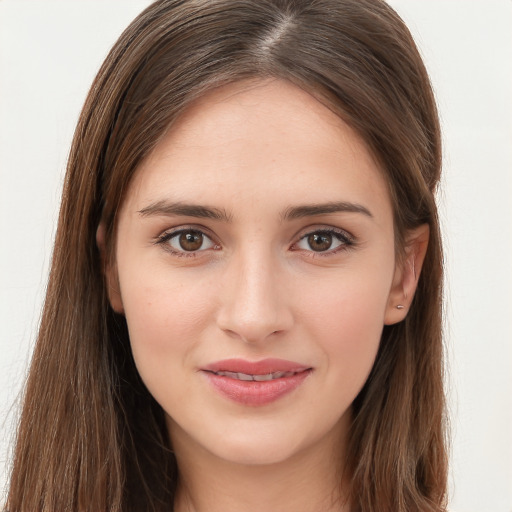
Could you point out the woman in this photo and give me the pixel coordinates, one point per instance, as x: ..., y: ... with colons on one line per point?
x: 244, y: 307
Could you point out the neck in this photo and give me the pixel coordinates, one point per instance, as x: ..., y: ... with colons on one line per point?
x: 308, y: 481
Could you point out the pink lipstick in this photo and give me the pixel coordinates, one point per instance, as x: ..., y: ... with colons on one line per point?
x: 258, y: 382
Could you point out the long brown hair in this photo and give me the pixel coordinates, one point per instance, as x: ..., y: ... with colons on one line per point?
x: 91, y: 437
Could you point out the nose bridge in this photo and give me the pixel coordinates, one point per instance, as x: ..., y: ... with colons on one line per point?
x: 254, y: 305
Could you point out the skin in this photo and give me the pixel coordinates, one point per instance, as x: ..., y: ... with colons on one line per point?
x: 256, y: 289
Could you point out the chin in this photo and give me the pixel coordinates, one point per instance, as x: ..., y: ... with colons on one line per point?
x: 244, y: 441
x: 261, y: 453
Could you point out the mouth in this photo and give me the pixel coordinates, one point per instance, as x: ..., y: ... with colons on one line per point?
x: 273, y: 367
x: 258, y: 378
x: 256, y: 383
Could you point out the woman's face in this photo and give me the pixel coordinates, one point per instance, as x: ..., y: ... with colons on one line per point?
x: 255, y: 266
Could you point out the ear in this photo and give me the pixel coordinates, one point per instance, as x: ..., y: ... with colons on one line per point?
x: 109, y: 271
x: 407, y: 273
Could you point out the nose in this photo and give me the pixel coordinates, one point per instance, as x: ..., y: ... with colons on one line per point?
x: 254, y: 304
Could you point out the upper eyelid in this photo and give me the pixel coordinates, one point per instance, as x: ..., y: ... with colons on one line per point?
x: 323, y: 229
x: 187, y: 227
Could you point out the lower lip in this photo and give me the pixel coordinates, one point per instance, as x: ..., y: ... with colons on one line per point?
x: 256, y: 392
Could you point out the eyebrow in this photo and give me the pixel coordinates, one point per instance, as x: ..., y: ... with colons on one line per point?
x: 188, y: 210
x: 298, y: 212
x: 207, y: 212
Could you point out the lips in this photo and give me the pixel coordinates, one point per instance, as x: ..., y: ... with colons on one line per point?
x: 255, y: 383
x: 265, y: 366
x: 256, y: 377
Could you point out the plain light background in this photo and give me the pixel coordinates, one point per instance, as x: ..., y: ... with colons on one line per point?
x: 49, y: 54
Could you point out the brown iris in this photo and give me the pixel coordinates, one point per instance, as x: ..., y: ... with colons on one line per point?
x: 320, y: 241
x: 191, y: 240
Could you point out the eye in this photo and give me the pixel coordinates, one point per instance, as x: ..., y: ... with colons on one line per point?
x: 327, y: 240
x: 187, y: 241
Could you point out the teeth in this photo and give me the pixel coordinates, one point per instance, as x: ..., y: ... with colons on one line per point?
x: 257, y: 378
x: 260, y: 378
x: 244, y: 376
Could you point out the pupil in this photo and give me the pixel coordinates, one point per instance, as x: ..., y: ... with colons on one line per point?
x: 320, y: 242
x: 191, y: 240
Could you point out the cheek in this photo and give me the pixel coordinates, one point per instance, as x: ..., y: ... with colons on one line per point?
x: 346, y: 318
x: 165, y: 315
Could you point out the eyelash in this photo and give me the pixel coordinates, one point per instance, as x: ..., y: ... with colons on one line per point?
x: 346, y: 240
x: 167, y: 236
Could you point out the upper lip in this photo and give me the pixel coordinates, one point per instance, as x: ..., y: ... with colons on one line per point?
x: 263, y: 367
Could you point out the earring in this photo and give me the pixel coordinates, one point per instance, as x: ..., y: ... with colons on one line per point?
x: 399, y: 306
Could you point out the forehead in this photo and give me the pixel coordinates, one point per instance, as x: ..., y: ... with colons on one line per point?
x: 264, y: 138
